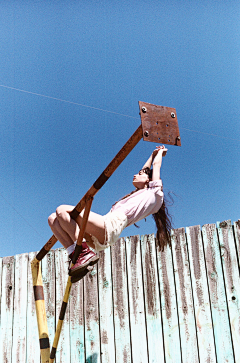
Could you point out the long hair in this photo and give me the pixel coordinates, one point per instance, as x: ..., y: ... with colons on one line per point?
x: 162, y: 218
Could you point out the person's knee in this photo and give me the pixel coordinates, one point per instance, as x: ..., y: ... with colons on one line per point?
x: 61, y: 212
x: 51, y: 219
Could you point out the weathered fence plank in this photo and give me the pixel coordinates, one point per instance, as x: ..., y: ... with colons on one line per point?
x: 221, y: 326
x: 91, y: 311
x: 152, y: 300
x: 20, y: 309
x: 136, y: 301
x: 77, y: 342
x: 169, y: 306
x: 7, y: 310
x: 48, y: 277
x: 200, y: 295
x: 184, y: 297
x: 33, y: 349
x: 232, y: 281
x: 138, y: 305
x: 120, y: 301
x: 106, y: 307
x: 63, y: 351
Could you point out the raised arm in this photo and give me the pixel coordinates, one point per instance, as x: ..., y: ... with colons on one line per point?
x: 155, y: 159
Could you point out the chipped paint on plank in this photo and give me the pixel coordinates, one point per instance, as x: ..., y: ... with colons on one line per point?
x: 152, y: 300
x: 63, y: 349
x: 106, y: 307
x: 184, y: 297
x: 33, y: 349
x: 221, y: 326
x: 91, y: 313
x: 77, y: 339
x: 120, y: 301
x: 232, y: 281
x: 168, y: 306
x: 136, y: 301
x: 200, y: 294
x: 20, y: 309
x: 7, y: 309
x: 48, y: 278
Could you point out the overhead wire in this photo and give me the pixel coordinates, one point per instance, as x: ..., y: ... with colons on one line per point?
x: 103, y: 110
x: 94, y: 108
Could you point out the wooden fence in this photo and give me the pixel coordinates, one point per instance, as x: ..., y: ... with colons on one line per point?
x: 137, y: 305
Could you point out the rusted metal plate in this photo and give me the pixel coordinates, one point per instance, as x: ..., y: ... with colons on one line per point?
x: 222, y: 334
x: 232, y: 281
x: 120, y: 302
x: 200, y: 295
x: 159, y: 124
x: 184, y: 297
x: 106, y: 307
x: 152, y: 301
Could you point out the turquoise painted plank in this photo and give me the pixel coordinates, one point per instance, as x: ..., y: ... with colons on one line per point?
x: 77, y: 343
x: 91, y: 313
x: 7, y: 310
x: 106, y: 307
x: 152, y: 300
x: 232, y: 281
x: 221, y: 326
x: 61, y: 263
x: 48, y: 277
x: 184, y: 297
x: 120, y: 301
x: 200, y: 295
x: 236, y: 227
x: 169, y: 306
x: 33, y: 348
x: 136, y: 301
x: 20, y: 309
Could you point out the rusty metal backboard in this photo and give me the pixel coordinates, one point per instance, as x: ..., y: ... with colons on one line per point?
x: 159, y: 124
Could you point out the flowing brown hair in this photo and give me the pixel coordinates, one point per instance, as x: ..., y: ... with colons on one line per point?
x: 162, y: 218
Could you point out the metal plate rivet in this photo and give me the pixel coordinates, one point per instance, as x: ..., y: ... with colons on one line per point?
x: 146, y: 133
x: 144, y: 109
x: 172, y: 114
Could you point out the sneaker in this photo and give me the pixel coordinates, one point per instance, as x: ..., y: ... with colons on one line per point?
x: 87, y: 257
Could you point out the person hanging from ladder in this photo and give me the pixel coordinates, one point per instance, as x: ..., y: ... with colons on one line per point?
x: 103, y: 231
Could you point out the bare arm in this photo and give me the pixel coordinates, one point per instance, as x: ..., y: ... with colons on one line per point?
x: 155, y: 159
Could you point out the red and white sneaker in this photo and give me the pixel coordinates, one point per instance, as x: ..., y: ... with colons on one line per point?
x: 86, y: 258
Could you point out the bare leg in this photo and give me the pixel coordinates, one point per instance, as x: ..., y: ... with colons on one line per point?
x: 63, y: 237
x: 95, y: 225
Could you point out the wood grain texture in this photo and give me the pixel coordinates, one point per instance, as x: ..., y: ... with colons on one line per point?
x: 7, y: 300
x: 200, y: 295
x: 120, y: 302
x: 232, y: 281
x: 136, y: 301
x: 152, y: 300
x: 106, y: 307
x: 184, y: 297
x: 171, y: 331
x: 20, y: 309
x: 91, y: 313
x: 222, y: 334
x: 33, y: 348
x: 77, y: 339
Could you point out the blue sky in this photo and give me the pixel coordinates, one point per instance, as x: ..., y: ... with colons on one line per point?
x: 59, y: 57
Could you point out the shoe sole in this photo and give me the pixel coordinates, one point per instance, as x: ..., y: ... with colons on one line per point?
x: 90, y: 262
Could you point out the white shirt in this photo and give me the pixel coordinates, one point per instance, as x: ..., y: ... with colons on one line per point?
x: 142, y: 203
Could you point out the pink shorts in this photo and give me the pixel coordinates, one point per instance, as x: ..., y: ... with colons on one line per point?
x: 114, y: 222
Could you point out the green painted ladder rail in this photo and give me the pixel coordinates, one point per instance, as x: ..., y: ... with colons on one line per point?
x: 137, y: 305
